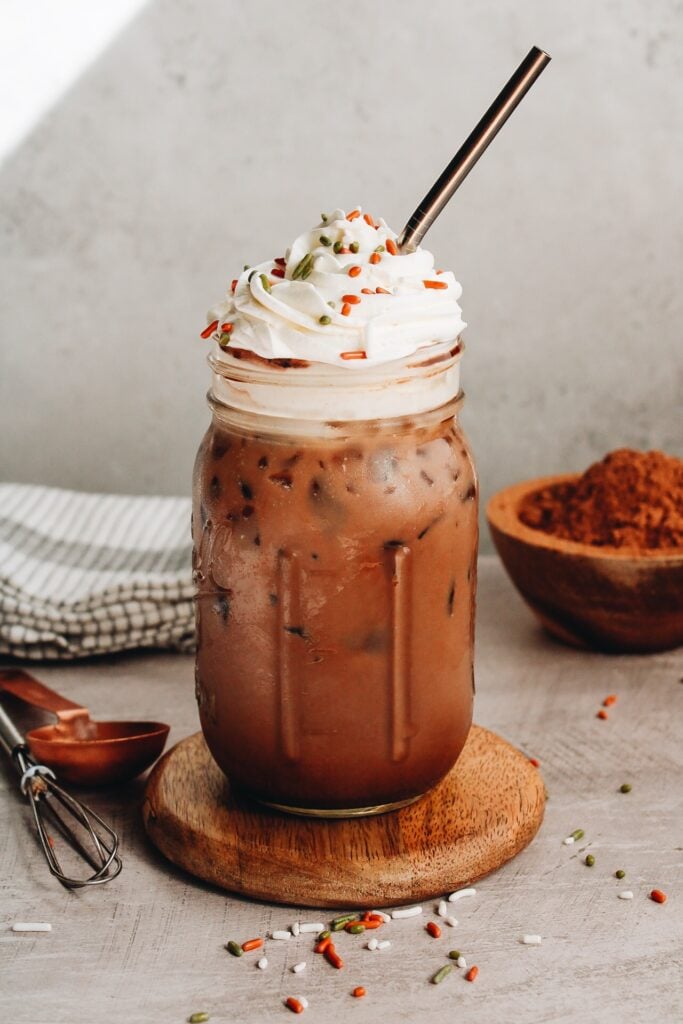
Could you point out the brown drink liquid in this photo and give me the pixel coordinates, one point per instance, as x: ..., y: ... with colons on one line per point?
x: 335, y: 606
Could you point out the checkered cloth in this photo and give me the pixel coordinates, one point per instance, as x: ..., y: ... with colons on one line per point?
x: 84, y: 574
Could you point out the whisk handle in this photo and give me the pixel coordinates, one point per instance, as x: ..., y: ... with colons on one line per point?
x: 11, y: 739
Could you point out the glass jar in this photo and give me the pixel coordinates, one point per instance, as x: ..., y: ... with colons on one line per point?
x: 335, y: 565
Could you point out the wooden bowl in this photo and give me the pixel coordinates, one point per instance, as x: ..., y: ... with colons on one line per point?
x: 608, y: 599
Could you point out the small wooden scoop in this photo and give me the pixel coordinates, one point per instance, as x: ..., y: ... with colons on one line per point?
x: 81, y: 751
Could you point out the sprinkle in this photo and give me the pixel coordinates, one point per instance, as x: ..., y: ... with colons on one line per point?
x: 568, y: 841
x: 322, y: 945
x: 332, y: 957
x: 233, y: 285
x: 354, y: 247
x: 367, y: 291
x: 354, y: 271
x: 198, y: 1018
x: 384, y: 945
x: 460, y: 894
x: 277, y: 272
x: 353, y: 215
x: 337, y: 247
x: 378, y: 248
x: 304, y: 1001
x: 295, y: 1005
x: 658, y: 896
x: 626, y: 895
x: 234, y: 948
x: 262, y: 964
x: 590, y: 860
x: 281, y: 936
x: 375, y: 257
x: 602, y: 714
x: 358, y: 992
x: 339, y: 922
x: 392, y: 248
x: 406, y: 912
x: 461, y: 962
x: 535, y: 762
x: 625, y: 787
x: 382, y: 291
x: 281, y: 262
x: 208, y: 331
x: 609, y: 700
x: 295, y: 928
x: 368, y: 924
x: 368, y: 220
x: 324, y: 320
x: 325, y: 934
x: 325, y: 240
x: 373, y: 944
x: 472, y: 974
x: 252, y: 944
x: 298, y: 968
x: 226, y: 328
x: 442, y: 909
x: 344, y: 250
x: 245, y: 267
x: 433, y: 929
x: 450, y: 921
x: 351, y: 299
x: 303, y: 267
x: 577, y: 834
x: 454, y: 954
x: 435, y: 284
x: 346, y: 309
x: 31, y: 926
x: 265, y: 282
x: 380, y: 913
x: 355, y: 354
x: 531, y: 940
x: 442, y: 973
x: 620, y: 874
x: 311, y: 926
x: 356, y: 927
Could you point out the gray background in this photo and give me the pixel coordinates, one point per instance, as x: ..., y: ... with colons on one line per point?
x: 210, y: 134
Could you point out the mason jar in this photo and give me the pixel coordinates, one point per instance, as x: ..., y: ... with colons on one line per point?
x: 335, y: 542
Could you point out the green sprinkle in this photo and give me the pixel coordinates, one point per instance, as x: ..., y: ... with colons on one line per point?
x: 356, y: 929
x: 337, y: 247
x: 354, y: 247
x: 442, y: 973
x: 324, y: 240
x: 620, y: 874
x: 234, y: 948
x: 325, y: 935
x: 303, y: 268
x: 265, y: 282
x: 340, y: 922
x: 454, y: 954
x: 577, y: 834
x: 590, y: 860
x: 380, y: 248
x: 332, y: 305
x: 323, y: 217
x: 246, y: 266
x: 198, y: 1018
x: 625, y: 787
x: 324, y: 319
x: 224, y: 340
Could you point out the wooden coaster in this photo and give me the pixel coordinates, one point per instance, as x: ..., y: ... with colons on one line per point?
x: 487, y: 809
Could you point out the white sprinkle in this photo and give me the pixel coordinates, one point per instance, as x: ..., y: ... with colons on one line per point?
x: 569, y: 841
x: 304, y: 1001
x: 262, y: 963
x: 31, y: 926
x: 442, y: 909
x: 298, y: 968
x: 405, y: 912
x: 311, y: 926
x: 461, y: 962
x: 531, y: 940
x: 450, y: 921
x: 380, y: 913
x: 384, y: 945
x: 296, y: 928
x: 282, y: 936
x: 626, y: 895
x: 372, y: 944
x: 460, y: 894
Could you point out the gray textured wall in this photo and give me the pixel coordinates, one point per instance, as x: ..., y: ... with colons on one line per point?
x: 210, y: 134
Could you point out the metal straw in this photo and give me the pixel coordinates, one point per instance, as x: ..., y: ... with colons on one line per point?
x: 473, y: 147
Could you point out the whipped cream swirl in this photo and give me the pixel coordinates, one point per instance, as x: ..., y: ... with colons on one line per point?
x: 341, y: 295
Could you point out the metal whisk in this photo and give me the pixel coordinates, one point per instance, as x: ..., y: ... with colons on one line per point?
x: 97, y: 843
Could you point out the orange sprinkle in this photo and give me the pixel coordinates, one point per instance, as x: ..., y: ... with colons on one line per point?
x: 353, y: 215
x: 344, y: 250
x: 433, y: 929
x: 602, y: 714
x: 369, y: 924
x: 350, y: 924
x: 226, y: 328
x: 294, y: 1005
x: 439, y: 271
x: 358, y: 992
x: 322, y: 945
x: 332, y: 957
x: 472, y: 973
x: 391, y: 246
x: 233, y: 284
x: 368, y: 220
x: 356, y: 354
x: 367, y: 291
x: 252, y: 944
x: 208, y: 331
x: 373, y: 917
x: 382, y: 291
x: 658, y: 896
x: 280, y: 260
x: 346, y: 309
x: 352, y: 299
x: 277, y: 272
x: 354, y: 271
x: 609, y: 700
x: 434, y: 284
x: 535, y: 762
x: 375, y: 258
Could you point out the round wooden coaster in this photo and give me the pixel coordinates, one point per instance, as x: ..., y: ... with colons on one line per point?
x: 487, y: 809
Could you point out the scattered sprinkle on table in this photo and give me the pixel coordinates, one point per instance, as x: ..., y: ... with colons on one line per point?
x: 442, y: 973
x: 295, y: 1005
x: 442, y: 909
x: 626, y: 895
x: 452, y: 922
x: 454, y: 954
x: 311, y: 927
x: 262, y: 963
x: 620, y: 873
x: 433, y: 929
x: 472, y: 973
x: 590, y: 860
x: 295, y: 928
x: 460, y: 894
x: 461, y: 962
x: 609, y: 700
x: 358, y: 992
x: 31, y: 926
x: 625, y: 787
x: 281, y: 936
x: 380, y: 913
x: 658, y: 896
x: 372, y: 944
x: 251, y: 944
x: 234, y: 948
x: 384, y: 945
x: 406, y: 912
x: 531, y: 940
x: 298, y: 968
x: 535, y: 762
x: 602, y: 714
x: 198, y: 1018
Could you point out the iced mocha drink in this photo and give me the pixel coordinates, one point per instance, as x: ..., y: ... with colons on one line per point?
x: 335, y: 527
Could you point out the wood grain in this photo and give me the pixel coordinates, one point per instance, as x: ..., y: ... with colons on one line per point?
x: 485, y: 811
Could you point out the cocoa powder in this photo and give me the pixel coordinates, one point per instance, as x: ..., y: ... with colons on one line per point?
x: 629, y: 499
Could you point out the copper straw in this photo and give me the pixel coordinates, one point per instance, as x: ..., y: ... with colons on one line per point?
x: 473, y: 147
